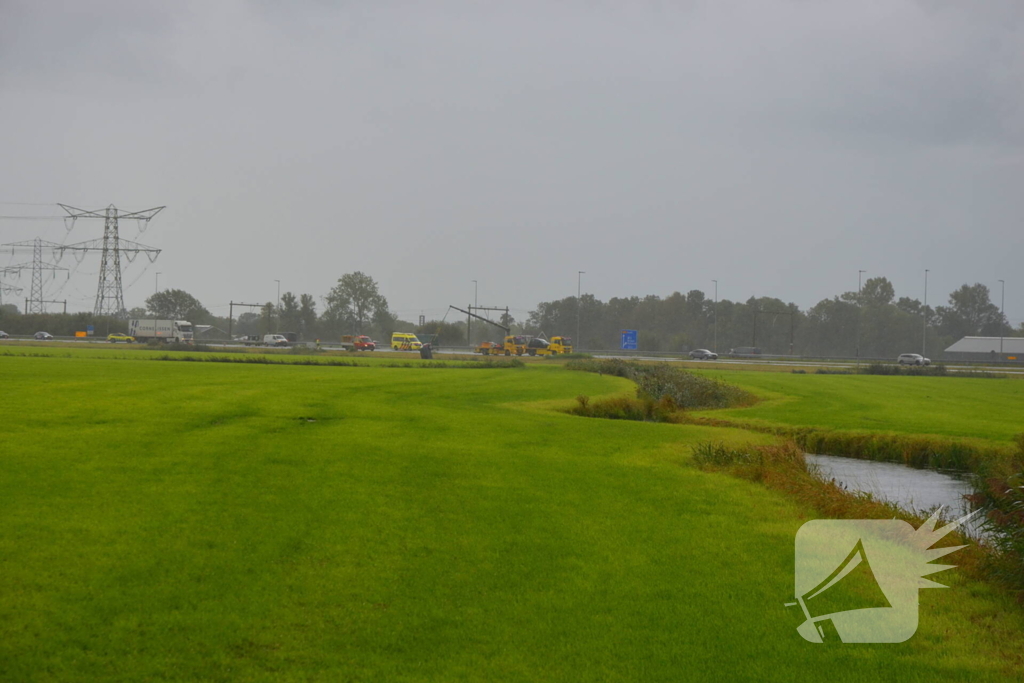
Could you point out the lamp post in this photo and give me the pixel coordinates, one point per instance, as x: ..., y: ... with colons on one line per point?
x: 276, y: 327
x: 579, y: 305
x: 1002, y: 317
x: 716, y: 315
x: 156, y: 287
x: 859, y: 274
x: 924, y: 314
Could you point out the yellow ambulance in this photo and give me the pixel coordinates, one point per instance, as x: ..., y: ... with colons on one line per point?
x: 404, y: 341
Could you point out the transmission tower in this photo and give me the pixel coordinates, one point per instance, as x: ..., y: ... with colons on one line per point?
x: 34, y: 303
x: 109, y: 295
x: 6, y: 288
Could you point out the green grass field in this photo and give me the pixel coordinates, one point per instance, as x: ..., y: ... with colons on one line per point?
x: 944, y: 406
x: 205, y: 521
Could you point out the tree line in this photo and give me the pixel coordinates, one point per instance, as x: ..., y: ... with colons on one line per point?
x: 871, y: 323
x: 353, y: 306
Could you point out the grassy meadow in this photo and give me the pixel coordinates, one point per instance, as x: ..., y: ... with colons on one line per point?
x: 190, y: 521
x: 962, y: 407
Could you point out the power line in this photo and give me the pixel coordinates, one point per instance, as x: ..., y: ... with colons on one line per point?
x: 109, y: 293
x: 34, y: 303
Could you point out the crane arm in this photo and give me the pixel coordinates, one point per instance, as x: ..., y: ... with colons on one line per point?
x: 480, y: 317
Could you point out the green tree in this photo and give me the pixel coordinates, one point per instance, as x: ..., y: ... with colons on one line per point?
x: 307, y: 313
x: 355, y: 300
x: 448, y: 334
x: 289, y: 313
x: 247, y: 323
x: 176, y: 304
x: 877, y: 291
x: 267, y: 318
x: 971, y: 313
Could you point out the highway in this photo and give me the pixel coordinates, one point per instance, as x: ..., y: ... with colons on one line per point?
x: 795, y: 363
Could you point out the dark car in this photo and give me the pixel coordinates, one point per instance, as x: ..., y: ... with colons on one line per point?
x: 703, y: 354
x: 43, y: 336
x: 536, y: 343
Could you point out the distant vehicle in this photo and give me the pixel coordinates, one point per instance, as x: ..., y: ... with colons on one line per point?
x: 357, y: 342
x: 166, y: 330
x: 291, y: 336
x: 486, y: 346
x: 4, y: 335
x: 913, y: 359
x: 120, y: 336
x: 248, y: 339
x: 516, y: 344
x: 404, y: 341
x: 275, y: 340
x: 703, y: 354
x: 43, y: 336
x: 538, y: 345
x: 745, y: 351
x: 560, y: 344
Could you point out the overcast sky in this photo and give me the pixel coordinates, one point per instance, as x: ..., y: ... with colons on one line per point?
x: 778, y: 147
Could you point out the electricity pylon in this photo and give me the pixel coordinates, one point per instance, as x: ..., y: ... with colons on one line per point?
x: 6, y: 288
x: 34, y: 303
x: 109, y: 295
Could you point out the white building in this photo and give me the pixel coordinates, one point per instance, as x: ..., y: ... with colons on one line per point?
x: 987, y: 348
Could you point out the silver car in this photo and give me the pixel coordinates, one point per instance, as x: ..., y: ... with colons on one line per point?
x: 703, y: 354
x: 913, y: 359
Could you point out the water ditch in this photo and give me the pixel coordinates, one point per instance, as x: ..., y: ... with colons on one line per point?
x: 911, y: 489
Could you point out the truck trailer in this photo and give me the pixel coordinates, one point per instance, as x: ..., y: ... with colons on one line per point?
x: 176, y: 331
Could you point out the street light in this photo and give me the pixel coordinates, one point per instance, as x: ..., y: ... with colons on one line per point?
x: 579, y: 305
x: 156, y: 287
x: 924, y: 314
x: 278, y: 294
x: 859, y: 273
x: 1002, y: 317
x: 716, y: 315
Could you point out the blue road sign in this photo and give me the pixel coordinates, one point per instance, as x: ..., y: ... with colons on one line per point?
x: 629, y: 340
x: 89, y: 330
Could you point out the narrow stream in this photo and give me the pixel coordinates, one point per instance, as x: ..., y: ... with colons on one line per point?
x: 913, y: 490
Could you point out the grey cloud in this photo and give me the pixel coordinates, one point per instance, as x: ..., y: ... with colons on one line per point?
x: 430, y: 144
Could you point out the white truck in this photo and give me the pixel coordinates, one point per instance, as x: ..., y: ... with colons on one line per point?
x: 167, y: 330
x: 275, y: 340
